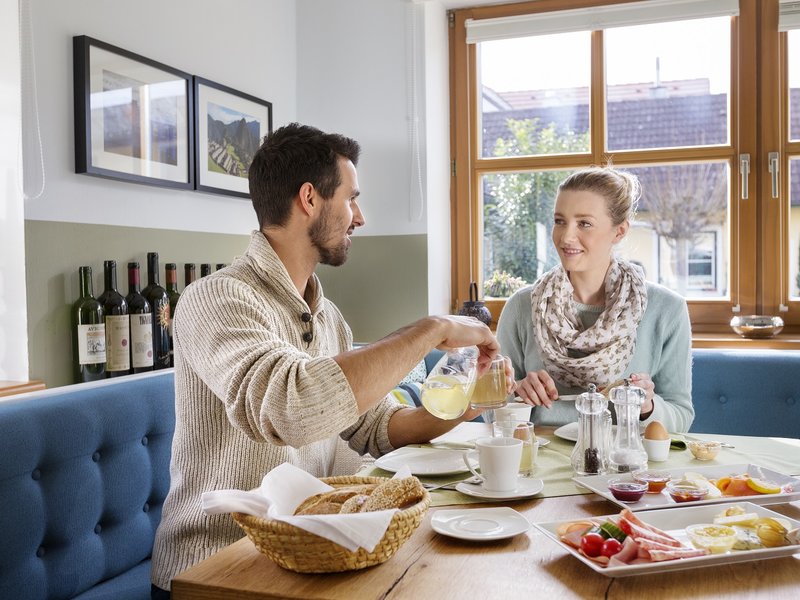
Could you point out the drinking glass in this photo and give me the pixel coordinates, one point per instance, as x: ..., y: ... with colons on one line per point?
x: 490, y: 389
x: 530, y: 445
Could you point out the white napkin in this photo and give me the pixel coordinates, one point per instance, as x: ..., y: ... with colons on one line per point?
x: 281, y: 492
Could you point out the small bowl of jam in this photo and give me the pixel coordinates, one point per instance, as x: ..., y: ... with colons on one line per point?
x: 655, y: 480
x: 626, y: 490
x: 685, y: 490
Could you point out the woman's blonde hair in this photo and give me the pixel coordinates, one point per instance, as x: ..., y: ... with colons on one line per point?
x: 620, y: 189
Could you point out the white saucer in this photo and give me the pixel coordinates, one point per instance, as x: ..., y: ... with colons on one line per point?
x: 525, y: 487
x: 480, y: 523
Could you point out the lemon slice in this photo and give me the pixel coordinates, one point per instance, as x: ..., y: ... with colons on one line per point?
x: 763, y: 487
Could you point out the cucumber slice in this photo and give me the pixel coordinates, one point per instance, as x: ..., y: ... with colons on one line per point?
x: 610, y: 530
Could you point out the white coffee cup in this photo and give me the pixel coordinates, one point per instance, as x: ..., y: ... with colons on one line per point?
x: 498, y: 458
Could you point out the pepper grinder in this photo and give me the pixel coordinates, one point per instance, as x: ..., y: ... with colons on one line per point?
x: 627, y: 453
x: 589, y: 457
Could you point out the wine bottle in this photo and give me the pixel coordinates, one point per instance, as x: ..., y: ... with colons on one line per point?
x: 88, y: 332
x: 171, y: 272
x: 189, y: 274
x: 118, y: 324
x: 205, y: 269
x: 141, y: 323
x: 221, y: 266
x: 159, y: 302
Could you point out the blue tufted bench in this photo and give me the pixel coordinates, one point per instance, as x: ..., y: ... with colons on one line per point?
x: 83, y: 475
x: 746, y: 392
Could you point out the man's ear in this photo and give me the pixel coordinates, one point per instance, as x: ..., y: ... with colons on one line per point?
x: 308, y: 198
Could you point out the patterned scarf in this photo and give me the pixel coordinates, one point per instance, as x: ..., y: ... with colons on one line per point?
x: 608, y: 345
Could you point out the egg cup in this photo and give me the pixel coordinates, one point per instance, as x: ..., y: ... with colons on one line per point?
x: 657, y: 450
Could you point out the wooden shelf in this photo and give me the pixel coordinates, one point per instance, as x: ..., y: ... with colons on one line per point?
x: 10, y: 388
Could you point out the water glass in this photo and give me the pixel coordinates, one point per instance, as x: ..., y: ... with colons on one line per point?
x: 530, y: 445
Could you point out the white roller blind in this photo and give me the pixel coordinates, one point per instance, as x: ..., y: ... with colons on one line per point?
x: 789, y: 16
x: 602, y: 17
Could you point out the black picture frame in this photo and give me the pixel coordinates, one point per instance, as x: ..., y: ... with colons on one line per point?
x: 229, y: 128
x: 134, y: 116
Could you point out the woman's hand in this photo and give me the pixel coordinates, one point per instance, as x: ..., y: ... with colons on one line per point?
x: 537, y: 389
x: 643, y: 381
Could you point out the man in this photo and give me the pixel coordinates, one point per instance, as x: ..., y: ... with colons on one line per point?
x: 265, y: 372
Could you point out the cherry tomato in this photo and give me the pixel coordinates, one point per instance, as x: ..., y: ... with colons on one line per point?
x: 611, y: 547
x: 592, y: 544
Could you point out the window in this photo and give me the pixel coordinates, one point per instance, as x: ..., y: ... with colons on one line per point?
x: 662, y: 90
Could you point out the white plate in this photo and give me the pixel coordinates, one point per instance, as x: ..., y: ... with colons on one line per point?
x: 425, y: 461
x: 599, y: 485
x: 525, y: 487
x: 674, y: 521
x: 480, y: 523
x: 568, y: 432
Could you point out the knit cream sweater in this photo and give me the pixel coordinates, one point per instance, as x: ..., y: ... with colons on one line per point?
x: 255, y: 386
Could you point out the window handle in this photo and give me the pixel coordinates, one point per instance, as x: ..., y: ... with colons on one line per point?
x: 744, y: 171
x: 773, y: 169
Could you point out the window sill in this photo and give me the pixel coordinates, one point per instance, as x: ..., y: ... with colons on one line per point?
x: 784, y: 341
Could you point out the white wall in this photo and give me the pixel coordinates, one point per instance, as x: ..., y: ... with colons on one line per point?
x: 248, y: 45
x: 352, y: 59
x: 13, y: 318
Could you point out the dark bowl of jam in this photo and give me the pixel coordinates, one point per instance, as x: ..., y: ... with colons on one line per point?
x: 626, y: 490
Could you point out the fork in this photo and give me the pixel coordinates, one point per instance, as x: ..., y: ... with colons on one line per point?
x: 451, y: 485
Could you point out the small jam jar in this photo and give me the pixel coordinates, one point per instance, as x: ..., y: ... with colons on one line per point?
x: 685, y: 490
x: 626, y: 490
x: 655, y: 480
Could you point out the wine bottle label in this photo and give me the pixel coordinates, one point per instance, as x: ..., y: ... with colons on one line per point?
x: 142, y: 340
x: 118, y: 343
x: 91, y: 344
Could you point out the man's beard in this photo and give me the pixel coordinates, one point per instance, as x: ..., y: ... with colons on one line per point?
x: 319, y: 233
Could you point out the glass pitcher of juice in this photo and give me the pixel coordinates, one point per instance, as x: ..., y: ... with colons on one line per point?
x: 448, y: 388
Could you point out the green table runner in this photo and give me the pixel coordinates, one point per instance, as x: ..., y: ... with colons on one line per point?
x: 554, y: 468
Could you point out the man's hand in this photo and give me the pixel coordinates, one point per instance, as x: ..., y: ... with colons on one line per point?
x: 462, y: 331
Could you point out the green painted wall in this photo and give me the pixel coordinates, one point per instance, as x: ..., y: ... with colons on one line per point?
x: 382, y: 286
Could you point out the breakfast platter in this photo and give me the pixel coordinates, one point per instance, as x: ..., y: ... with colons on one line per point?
x: 787, y: 488
x: 675, y: 539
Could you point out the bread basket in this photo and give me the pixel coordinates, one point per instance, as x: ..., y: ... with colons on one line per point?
x: 298, y: 550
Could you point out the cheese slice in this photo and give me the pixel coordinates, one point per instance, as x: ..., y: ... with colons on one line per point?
x: 744, y: 520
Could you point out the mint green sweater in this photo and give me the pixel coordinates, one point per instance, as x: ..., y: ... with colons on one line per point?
x: 663, y: 349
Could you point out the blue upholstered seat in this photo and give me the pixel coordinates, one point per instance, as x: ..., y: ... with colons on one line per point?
x: 83, y: 475
x: 746, y: 392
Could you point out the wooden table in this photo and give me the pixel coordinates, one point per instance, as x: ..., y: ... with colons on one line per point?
x: 526, y: 566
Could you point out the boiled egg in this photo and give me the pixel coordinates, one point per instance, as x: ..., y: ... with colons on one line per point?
x: 656, y: 431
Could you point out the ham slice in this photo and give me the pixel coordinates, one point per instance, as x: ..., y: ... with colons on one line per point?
x: 673, y: 553
x: 629, y: 552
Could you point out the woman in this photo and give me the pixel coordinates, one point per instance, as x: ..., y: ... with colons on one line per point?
x: 594, y: 318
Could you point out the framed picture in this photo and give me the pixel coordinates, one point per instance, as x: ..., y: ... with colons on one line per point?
x: 133, y: 116
x: 229, y: 128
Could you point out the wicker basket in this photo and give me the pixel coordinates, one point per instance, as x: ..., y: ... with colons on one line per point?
x: 304, y: 552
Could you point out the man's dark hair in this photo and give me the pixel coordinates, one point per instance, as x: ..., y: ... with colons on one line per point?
x: 289, y: 157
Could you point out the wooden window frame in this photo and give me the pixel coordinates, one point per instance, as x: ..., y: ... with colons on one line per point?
x: 758, y: 54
